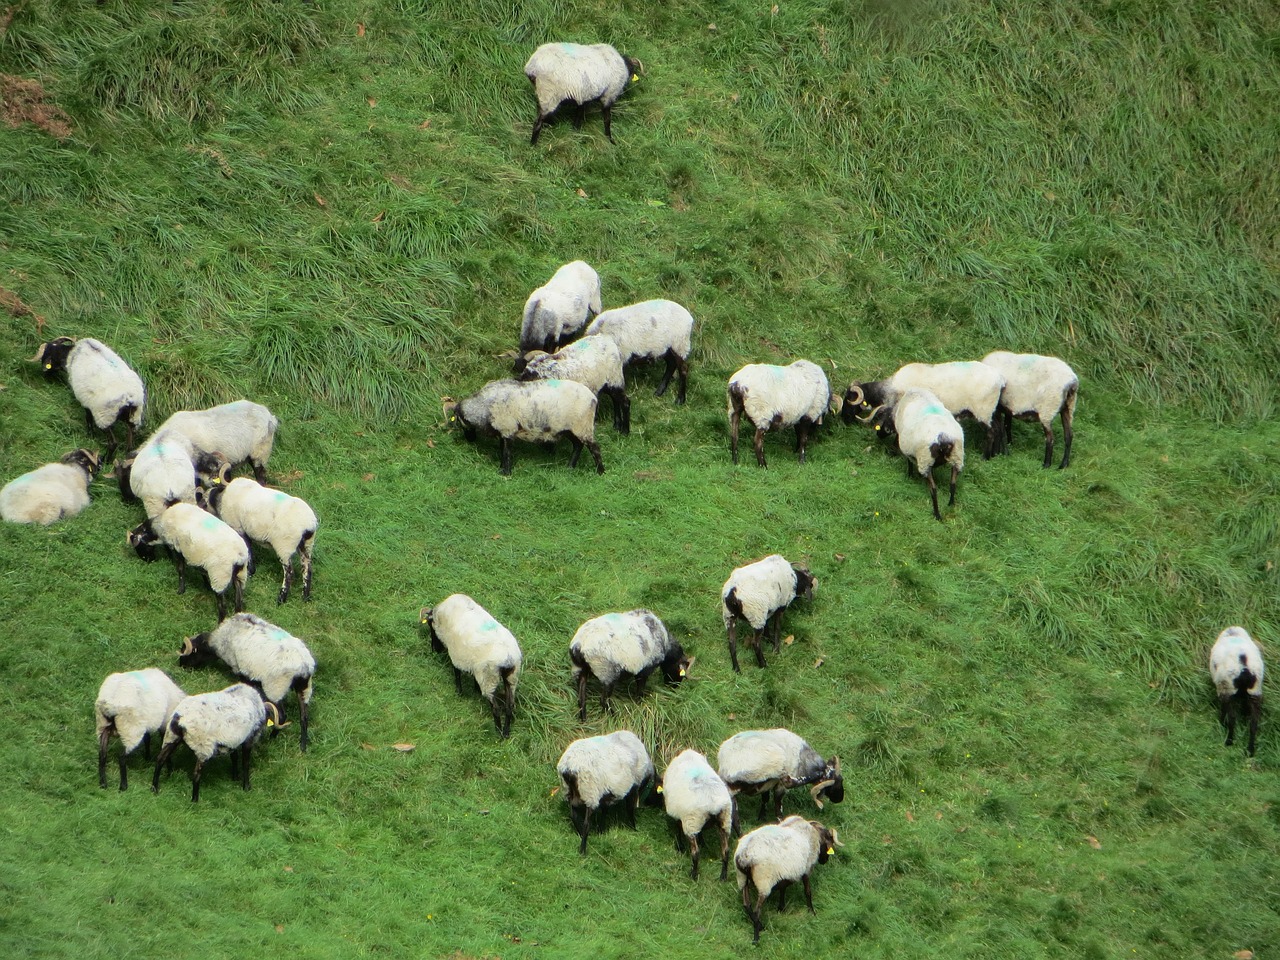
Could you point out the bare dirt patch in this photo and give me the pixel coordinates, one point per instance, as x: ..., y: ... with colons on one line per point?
x: 24, y: 101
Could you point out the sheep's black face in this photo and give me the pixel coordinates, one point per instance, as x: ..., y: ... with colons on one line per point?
x: 826, y: 844
x: 634, y: 68
x: 196, y: 652
x: 835, y: 792
x: 86, y: 460
x: 805, y: 584
x: 882, y: 423
x: 53, y: 356
x: 144, y: 540
x: 861, y: 398
x: 676, y: 666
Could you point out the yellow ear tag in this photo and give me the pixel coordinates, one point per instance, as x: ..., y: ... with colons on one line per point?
x: 865, y: 405
x: 270, y: 722
x: 48, y: 366
x: 682, y: 673
x: 659, y: 788
x: 453, y: 419
x: 635, y: 78
x: 877, y: 426
x: 831, y: 851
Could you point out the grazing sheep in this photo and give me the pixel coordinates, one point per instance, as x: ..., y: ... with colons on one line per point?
x: 481, y: 646
x: 601, y: 771
x: 965, y: 387
x: 236, y: 432
x: 758, y: 593
x: 596, y: 363
x: 201, y: 539
x: 775, y: 856
x: 1235, y: 664
x: 540, y: 412
x: 1037, y: 388
x: 652, y: 330
x: 928, y: 436
x: 578, y: 74
x: 775, y: 397
x: 770, y: 762
x: 163, y: 471
x: 226, y: 721
x: 51, y: 492
x: 557, y: 311
x: 620, y: 645
x: 104, y: 384
x: 694, y: 794
x: 268, y: 516
x: 261, y: 654
x: 132, y: 706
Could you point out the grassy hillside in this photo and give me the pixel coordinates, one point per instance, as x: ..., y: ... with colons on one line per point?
x: 333, y: 209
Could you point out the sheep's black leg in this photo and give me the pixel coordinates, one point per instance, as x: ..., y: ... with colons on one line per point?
x: 104, y: 741
x: 724, y: 849
x: 584, y: 828
x: 181, y: 565
x: 670, y: 358
x: 755, y: 917
x: 582, y: 695
x: 757, y: 641
x: 457, y: 680
x: 595, y: 455
x: 802, y: 438
x: 808, y: 892
x: 606, y: 691
x: 128, y: 431
x: 764, y: 801
x: 608, y: 123
x: 759, y: 447
x: 693, y: 848
x: 537, y: 129
x: 506, y: 457
x: 633, y: 801
x: 287, y: 582
x: 237, y: 586
x: 933, y: 491
x: 992, y: 442
x: 577, y: 452
x: 146, y: 745
x: 497, y: 713
x: 775, y: 624
x: 252, y: 565
x: 260, y: 472
x: 195, y: 781
x: 235, y: 763
x: 1227, y: 715
x: 304, y: 710
x: 621, y: 408
x: 734, y: 419
x: 221, y: 599
x: 683, y: 386
x: 112, y: 444
x: 1048, y: 443
x: 782, y: 894
x: 1255, y: 714
x: 580, y: 116
x: 955, y: 474
x: 162, y: 758
x: 1066, y: 432
x: 124, y: 773
x: 1008, y: 427
x: 245, y: 750
x: 304, y: 549
x: 733, y: 644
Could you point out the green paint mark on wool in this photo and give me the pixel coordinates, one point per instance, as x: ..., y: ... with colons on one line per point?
x: 280, y: 495
x: 489, y: 624
x: 140, y: 677
x: 210, y: 523
x: 935, y: 409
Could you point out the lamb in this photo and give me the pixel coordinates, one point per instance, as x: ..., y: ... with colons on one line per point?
x: 775, y: 856
x: 1235, y: 664
x: 198, y: 538
x: 770, y: 762
x: 557, y: 311
x: 578, y: 74
x: 261, y: 654
x: 106, y: 386
x: 132, y: 706
x: 601, y: 771
x: 652, y: 330
x: 481, y: 646
x: 161, y: 472
x: 596, y: 363
x: 928, y: 436
x: 51, y: 492
x: 540, y: 412
x: 271, y: 516
x: 758, y: 593
x: 694, y: 794
x: 618, y: 645
x: 1037, y: 388
x: 964, y: 387
x: 771, y: 396
x: 225, y: 721
x: 235, y: 432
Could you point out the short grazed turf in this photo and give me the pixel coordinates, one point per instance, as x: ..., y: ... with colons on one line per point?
x: 333, y: 209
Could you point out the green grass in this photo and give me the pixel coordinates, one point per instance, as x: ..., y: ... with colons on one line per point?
x: 333, y: 209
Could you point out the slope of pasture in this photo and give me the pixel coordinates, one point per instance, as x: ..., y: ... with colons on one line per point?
x: 333, y: 209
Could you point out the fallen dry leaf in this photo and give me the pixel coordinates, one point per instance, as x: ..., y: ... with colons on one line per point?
x: 367, y: 477
x: 937, y: 815
x: 431, y: 444
x: 367, y: 746
x: 404, y: 747
x: 839, y: 556
x: 819, y: 662
x: 359, y: 29
x: 1094, y: 842
x: 320, y: 200
x: 711, y: 27
x: 288, y: 869
x: 554, y: 791
x: 582, y: 193
x: 910, y: 817
x: 378, y: 218
x: 373, y: 101
x: 789, y: 639
x: 291, y: 476
x: 279, y: 928
x: 496, y: 536
x: 733, y: 716
x: 425, y: 124
x: 1243, y: 955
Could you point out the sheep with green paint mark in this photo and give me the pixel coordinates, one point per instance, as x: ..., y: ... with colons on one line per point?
x: 481, y: 646
x: 694, y: 795
x: 200, y: 539
x: 928, y: 436
x: 132, y: 706
x: 51, y: 492
x: 773, y: 397
x: 620, y: 645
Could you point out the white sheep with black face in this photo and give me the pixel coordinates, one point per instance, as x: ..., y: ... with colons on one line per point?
x: 225, y: 721
x: 758, y: 593
x: 540, y: 411
x: 771, y: 762
x: 234, y: 432
x: 558, y: 310
x: 776, y: 855
x: 51, y: 492
x: 620, y: 645
x: 202, y: 540
x: 928, y: 436
x: 481, y: 646
x: 1236, y: 668
x: 161, y: 472
x: 263, y: 655
x: 774, y: 397
x: 107, y: 387
x: 602, y: 771
x: 596, y: 363
x: 132, y: 706
x: 1037, y: 388
x: 651, y: 330
x: 694, y: 795
x: 579, y: 74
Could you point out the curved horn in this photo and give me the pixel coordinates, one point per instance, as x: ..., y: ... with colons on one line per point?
x: 856, y: 396
x: 835, y: 837
x: 424, y: 614
x: 836, y: 761
x: 273, y: 715
x: 39, y: 354
x: 187, y: 647
x: 816, y: 789
x: 870, y: 416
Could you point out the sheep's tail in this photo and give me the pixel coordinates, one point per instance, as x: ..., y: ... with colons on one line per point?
x: 941, y: 450
x: 578, y: 659
x: 733, y: 604
x: 1246, y: 678
x: 572, y: 793
x: 508, y: 688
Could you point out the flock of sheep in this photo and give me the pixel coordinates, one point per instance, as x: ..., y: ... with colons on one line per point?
x: 571, y: 351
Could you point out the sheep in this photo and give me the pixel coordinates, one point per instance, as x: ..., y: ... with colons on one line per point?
x: 267, y: 515
x: 771, y: 396
x: 557, y: 311
x: 770, y: 762
x: 132, y: 706
x: 693, y: 794
x: 775, y: 856
x: 51, y: 492
x: 1235, y: 664
x: 578, y: 74
x: 601, y: 771
x: 481, y: 646
x: 651, y: 330
x: 263, y: 655
x: 225, y: 721
x: 236, y: 432
x: 964, y: 387
x: 596, y: 363
x: 758, y: 593
x: 540, y: 411
x: 198, y: 538
x: 928, y: 436
x: 1037, y: 388
x: 106, y: 386
x: 617, y: 645
x: 161, y: 472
